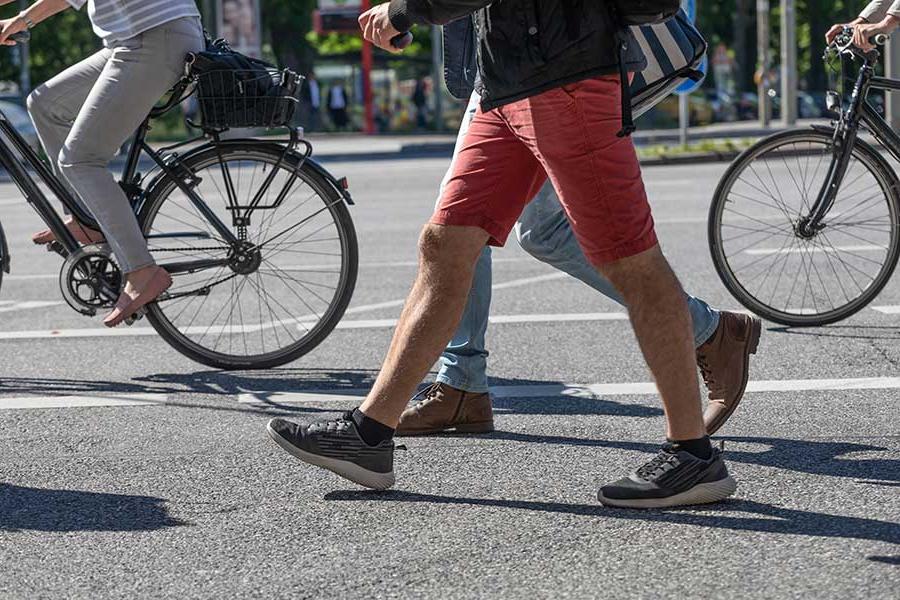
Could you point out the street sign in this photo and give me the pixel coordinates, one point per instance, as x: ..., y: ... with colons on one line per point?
x: 337, y: 16
x: 690, y: 7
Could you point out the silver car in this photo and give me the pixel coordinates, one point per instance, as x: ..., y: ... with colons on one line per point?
x: 20, y: 120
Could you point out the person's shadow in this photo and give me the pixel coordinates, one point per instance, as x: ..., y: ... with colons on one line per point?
x: 737, y: 515
x: 36, y: 509
x: 832, y: 458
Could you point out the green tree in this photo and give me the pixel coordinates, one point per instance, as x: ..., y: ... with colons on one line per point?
x: 55, y: 44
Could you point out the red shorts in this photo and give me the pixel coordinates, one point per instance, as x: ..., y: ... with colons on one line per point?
x: 568, y: 134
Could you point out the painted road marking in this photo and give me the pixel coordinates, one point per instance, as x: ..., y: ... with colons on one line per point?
x: 297, y: 268
x: 11, y: 306
x: 887, y: 310
x: 35, y: 402
x: 597, y: 390
x: 859, y: 248
x: 302, y: 325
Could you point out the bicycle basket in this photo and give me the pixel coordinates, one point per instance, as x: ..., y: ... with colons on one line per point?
x: 258, y: 97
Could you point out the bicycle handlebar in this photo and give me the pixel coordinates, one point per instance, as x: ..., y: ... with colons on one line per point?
x: 21, y: 37
x: 402, y: 41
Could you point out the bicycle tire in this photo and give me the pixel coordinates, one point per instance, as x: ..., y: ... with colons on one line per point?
x: 349, y: 261
x: 876, y: 165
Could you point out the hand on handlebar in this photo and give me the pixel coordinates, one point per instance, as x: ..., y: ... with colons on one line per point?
x: 864, y: 33
x: 9, y: 28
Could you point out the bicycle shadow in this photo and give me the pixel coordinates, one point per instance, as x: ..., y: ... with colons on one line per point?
x: 763, y: 518
x: 267, y: 387
x: 62, y: 511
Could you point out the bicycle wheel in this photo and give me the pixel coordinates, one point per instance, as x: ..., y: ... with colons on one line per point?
x: 782, y: 275
x: 279, y: 293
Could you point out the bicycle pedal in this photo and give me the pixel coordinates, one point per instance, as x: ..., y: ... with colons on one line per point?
x: 137, y: 316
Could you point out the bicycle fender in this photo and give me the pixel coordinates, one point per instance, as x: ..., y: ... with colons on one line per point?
x: 337, y: 185
x: 4, y: 252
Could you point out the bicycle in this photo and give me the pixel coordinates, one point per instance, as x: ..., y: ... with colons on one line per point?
x: 256, y: 234
x: 803, y: 227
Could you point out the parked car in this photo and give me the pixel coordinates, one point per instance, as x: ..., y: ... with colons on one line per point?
x: 724, y: 106
x: 20, y: 120
x: 807, y: 106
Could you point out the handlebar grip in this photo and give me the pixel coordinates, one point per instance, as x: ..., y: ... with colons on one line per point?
x: 21, y: 37
x: 402, y: 41
x: 879, y: 40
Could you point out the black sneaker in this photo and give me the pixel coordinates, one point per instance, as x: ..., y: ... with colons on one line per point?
x: 336, y: 446
x: 672, y: 478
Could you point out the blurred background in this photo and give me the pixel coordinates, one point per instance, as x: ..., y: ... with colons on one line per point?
x: 750, y: 42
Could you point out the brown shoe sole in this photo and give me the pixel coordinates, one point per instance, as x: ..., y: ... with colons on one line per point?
x: 483, y: 427
x: 750, y: 348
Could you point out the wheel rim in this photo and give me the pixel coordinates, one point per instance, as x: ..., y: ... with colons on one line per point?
x: 284, y: 295
x: 771, y: 264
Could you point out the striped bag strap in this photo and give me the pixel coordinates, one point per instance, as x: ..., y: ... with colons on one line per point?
x: 673, y: 50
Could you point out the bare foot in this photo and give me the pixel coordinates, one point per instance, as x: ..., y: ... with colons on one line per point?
x: 83, y: 235
x: 141, y: 287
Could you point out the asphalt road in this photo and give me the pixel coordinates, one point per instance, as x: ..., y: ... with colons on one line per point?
x: 179, y: 492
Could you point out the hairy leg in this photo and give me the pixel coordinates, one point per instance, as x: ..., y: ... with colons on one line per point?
x: 446, y: 264
x: 659, y: 314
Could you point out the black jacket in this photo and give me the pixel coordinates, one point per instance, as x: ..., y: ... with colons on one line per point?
x: 524, y: 47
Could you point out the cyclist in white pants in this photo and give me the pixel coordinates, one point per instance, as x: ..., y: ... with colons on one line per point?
x: 84, y: 114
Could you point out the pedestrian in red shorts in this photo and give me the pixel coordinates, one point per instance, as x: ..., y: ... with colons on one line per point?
x: 551, y: 107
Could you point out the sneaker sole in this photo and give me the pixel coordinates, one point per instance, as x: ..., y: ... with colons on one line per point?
x: 702, y: 493
x: 485, y: 427
x: 347, y: 470
x: 749, y: 349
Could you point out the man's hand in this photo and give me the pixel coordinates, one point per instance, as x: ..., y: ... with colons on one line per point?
x: 8, y: 27
x: 835, y: 31
x: 376, y: 27
x: 862, y: 32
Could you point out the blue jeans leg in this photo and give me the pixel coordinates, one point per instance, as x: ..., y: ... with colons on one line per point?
x: 464, y: 361
x: 544, y: 232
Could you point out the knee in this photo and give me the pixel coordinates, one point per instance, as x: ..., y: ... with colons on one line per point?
x: 433, y: 246
x: 450, y: 247
x: 535, y: 242
x: 35, y: 102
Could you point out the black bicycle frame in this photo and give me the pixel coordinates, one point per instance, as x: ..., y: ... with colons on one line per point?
x: 67, y: 244
x: 858, y: 111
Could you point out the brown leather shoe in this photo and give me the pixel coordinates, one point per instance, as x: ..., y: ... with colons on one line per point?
x: 724, y: 362
x: 445, y: 409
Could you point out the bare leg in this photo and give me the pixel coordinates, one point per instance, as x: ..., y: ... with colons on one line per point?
x: 659, y: 314
x: 446, y: 263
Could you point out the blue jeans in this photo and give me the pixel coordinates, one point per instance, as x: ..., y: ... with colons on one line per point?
x: 543, y: 230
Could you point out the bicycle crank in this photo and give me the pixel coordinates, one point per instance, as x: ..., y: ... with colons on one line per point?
x: 90, y: 279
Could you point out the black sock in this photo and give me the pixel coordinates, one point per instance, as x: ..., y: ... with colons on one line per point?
x: 371, y: 431
x: 701, y: 448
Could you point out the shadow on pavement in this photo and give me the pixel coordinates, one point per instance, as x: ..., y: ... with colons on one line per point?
x: 888, y: 560
x: 761, y: 517
x: 35, y: 509
x: 847, y: 332
x: 266, y: 384
x: 804, y: 456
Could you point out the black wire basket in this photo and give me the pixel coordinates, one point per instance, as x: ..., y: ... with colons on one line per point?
x: 261, y: 97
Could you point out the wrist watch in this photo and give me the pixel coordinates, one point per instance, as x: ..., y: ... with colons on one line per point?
x: 28, y: 22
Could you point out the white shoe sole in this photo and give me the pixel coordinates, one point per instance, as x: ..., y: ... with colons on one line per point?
x: 702, y: 493
x: 347, y: 470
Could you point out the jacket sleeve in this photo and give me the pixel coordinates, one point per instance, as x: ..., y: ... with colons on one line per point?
x: 406, y: 13
x: 879, y: 9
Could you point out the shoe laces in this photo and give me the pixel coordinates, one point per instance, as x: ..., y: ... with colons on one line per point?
x: 427, y: 393
x: 705, y: 370
x: 334, y: 426
x: 665, y: 461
